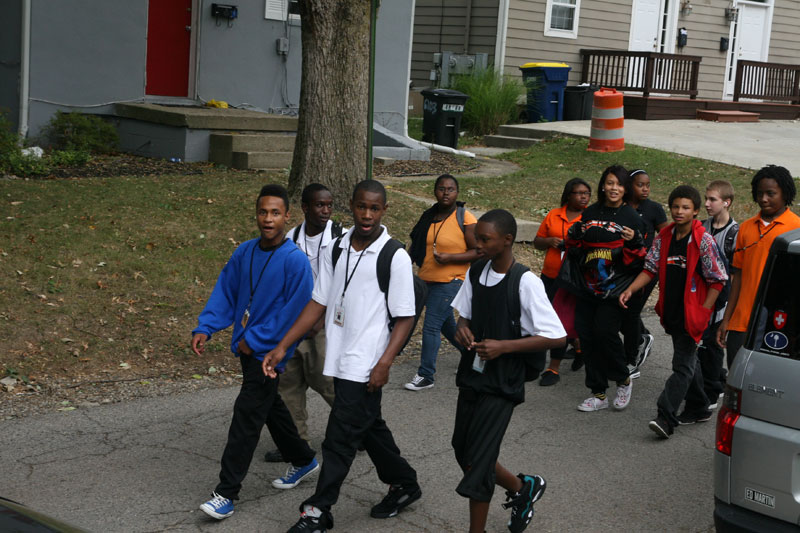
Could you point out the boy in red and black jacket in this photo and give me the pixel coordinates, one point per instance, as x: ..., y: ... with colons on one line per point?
x: 691, y: 274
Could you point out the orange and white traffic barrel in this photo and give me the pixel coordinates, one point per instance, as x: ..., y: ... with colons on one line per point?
x: 608, y: 122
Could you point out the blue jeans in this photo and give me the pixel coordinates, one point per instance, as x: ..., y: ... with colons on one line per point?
x: 438, y: 319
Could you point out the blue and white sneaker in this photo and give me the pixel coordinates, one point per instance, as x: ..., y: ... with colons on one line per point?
x: 218, y: 507
x: 295, y: 474
x: 521, y: 503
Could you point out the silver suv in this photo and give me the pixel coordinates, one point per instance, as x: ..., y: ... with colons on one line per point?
x: 757, y: 457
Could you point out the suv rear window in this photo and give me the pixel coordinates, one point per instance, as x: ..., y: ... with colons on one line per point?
x: 777, y: 328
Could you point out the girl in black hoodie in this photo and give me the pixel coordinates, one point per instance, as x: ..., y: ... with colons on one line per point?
x: 605, y: 253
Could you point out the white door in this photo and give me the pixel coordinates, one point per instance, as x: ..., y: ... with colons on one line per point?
x: 653, y: 27
x: 645, y: 18
x: 749, y: 38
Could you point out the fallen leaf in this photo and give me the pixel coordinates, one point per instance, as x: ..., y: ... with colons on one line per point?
x: 150, y: 246
x: 124, y: 365
x: 66, y: 340
x: 66, y: 408
x: 101, y: 285
x: 77, y: 262
x: 197, y: 376
x: 20, y: 203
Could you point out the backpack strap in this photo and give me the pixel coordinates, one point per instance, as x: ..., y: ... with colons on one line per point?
x: 515, y: 274
x: 384, y: 264
x: 296, y: 233
x: 475, y: 270
x: 336, y: 252
x: 336, y: 230
x: 460, y: 215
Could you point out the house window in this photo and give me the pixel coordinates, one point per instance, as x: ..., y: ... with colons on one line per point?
x: 282, y: 10
x: 561, y: 18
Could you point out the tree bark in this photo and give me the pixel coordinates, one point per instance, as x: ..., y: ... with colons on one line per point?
x: 334, y: 91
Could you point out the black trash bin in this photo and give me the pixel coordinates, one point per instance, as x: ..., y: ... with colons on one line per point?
x: 578, y: 102
x: 442, y: 110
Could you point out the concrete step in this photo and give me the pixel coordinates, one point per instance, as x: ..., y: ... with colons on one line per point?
x: 726, y: 116
x: 222, y: 145
x: 503, y: 141
x: 524, y: 130
x: 207, y: 118
x: 261, y: 160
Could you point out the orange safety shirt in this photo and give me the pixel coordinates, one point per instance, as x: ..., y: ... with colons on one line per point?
x: 750, y: 256
x: 449, y: 239
x: 555, y: 224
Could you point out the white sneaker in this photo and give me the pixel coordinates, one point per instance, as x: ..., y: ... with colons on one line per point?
x: 419, y: 383
x: 623, y: 396
x: 593, y: 403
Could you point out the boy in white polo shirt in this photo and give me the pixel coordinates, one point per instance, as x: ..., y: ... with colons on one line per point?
x: 360, y: 350
x: 305, y: 368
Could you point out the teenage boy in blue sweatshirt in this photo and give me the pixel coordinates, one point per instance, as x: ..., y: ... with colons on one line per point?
x: 359, y: 350
x: 261, y: 291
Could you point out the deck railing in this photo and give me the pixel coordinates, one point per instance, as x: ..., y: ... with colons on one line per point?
x: 648, y: 72
x: 767, y: 81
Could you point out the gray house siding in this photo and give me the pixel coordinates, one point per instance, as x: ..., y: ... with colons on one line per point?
x: 81, y: 62
x: 440, y: 25
x: 87, y: 55
x: 9, y: 59
x: 606, y: 25
x: 785, y: 39
x: 600, y: 25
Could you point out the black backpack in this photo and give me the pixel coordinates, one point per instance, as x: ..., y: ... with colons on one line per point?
x: 336, y: 231
x: 384, y: 271
x: 534, y: 361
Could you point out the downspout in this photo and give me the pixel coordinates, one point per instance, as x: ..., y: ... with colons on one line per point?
x: 467, y: 25
x: 25, y: 68
x: 502, y: 30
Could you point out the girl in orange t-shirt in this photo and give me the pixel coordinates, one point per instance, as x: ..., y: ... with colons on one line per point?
x: 443, y: 249
x: 550, y: 237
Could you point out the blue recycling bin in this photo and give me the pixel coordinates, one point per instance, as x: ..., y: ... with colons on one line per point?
x: 545, y: 83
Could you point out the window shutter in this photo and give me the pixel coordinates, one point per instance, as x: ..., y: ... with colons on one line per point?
x: 276, y: 9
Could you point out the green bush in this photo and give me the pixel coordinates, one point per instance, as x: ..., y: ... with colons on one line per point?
x: 492, y: 100
x: 69, y: 158
x: 8, y: 141
x: 25, y: 165
x: 81, y: 132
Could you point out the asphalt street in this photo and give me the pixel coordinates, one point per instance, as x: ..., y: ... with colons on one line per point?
x: 146, y: 465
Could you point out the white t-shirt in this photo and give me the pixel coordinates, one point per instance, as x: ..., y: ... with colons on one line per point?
x: 353, y: 349
x: 312, y: 246
x: 538, y: 316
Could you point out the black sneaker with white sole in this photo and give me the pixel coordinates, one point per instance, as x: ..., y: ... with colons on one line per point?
x: 661, y: 427
x: 419, y: 383
x: 309, y: 524
x: 521, y: 503
x: 686, y: 419
x: 645, y: 345
x: 398, y: 498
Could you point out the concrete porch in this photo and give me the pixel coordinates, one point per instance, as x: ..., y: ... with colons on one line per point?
x: 236, y: 138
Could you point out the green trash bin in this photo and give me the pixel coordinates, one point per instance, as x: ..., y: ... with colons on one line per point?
x: 545, y: 83
x: 442, y: 110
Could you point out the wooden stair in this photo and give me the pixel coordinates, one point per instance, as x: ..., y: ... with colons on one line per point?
x: 716, y: 115
x: 267, y: 151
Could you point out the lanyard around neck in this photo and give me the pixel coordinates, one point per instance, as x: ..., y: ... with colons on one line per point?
x: 319, y: 245
x: 266, y: 263
x: 347, y: 280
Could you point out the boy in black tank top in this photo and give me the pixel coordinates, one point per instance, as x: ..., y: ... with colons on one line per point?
x: 491, y: 374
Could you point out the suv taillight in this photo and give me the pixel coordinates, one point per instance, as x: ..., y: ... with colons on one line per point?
x: 727, y: 417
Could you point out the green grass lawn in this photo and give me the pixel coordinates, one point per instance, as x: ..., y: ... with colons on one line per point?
x: 536, y: 188
x: 102, y: 272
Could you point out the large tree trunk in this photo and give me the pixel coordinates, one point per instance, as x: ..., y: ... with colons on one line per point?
x: 334, y: 91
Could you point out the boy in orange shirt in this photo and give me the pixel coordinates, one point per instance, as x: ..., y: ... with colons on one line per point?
x: 773, y: 190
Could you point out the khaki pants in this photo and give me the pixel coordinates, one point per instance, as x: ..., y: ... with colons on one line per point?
x: 304, y: 370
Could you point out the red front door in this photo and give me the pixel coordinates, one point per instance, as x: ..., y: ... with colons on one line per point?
x: 168, y: 47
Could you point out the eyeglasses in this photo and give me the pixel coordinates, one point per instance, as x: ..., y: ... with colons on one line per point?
x: 581, y: 193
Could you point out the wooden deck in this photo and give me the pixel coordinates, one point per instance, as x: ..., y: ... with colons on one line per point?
x: 664, y: 108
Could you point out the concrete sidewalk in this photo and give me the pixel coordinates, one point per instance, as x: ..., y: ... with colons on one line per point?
x: 750, y: 145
